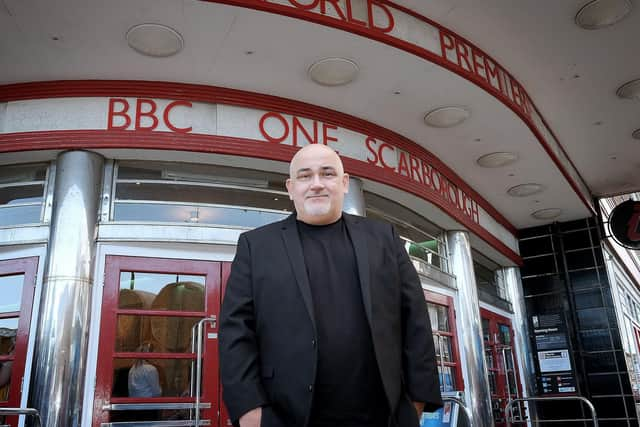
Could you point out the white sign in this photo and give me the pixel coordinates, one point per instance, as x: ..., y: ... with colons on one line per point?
x: 554, y: 361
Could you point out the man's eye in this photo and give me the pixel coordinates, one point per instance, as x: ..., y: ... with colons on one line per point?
x: 328, y: 174
x: 304, y: 177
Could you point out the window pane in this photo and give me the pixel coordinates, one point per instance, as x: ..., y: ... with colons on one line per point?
x: 505, y: 334
x: 23, y: 173
x: 445, y: 343
x: 13, y: 215
x: 11, y: 291
x: 168, y: 334
x: 211, y: 174
x: 202, y: 194
x: 8, y: 332
x: 156, y: 291
x: 447, y: 378
x: 195, y: 214
x: 152, y: 377
x: 21, y: 194
x: 439, y: 317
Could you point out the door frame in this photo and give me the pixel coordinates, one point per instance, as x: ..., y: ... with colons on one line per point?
x: 167, y: 250
x: 20, y: 372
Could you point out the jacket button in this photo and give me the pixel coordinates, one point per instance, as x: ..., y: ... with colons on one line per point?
x: 313, y: 343
x: 310, y: 388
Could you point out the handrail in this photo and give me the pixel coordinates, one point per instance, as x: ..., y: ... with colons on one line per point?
x: 29, y: 412
x: 462, y: 405
x: 594, y: 417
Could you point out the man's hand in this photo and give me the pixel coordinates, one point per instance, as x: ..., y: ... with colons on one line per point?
x: 251, y: 418
x: 419, y: 408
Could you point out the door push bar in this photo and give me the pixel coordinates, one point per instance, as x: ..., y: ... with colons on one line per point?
x: 594, y: 417
x: 29, y: 412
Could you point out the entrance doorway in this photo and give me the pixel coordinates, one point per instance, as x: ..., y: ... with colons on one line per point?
x: 500, y: 356
x: 17, y: 285
x: 158, y: 347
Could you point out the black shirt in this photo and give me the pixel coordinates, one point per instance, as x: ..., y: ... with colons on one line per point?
x: 348, y: 390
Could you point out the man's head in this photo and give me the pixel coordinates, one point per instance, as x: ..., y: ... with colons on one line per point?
x: 317, y: 184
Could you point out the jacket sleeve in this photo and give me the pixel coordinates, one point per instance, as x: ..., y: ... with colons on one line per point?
x: 419, y: 368
x: 238, y: 345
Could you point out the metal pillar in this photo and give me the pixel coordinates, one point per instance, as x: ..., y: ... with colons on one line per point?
x: 354, y: 199
x: 477, y: 391
x: 63, y: 325
x: 513, y: 286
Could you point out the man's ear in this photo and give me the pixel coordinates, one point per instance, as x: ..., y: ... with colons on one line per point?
x: 288, y: 184
x: 345, y: 182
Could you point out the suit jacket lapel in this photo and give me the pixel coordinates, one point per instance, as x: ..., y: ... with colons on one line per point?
x: 296, y: 257
x: 358, y: 238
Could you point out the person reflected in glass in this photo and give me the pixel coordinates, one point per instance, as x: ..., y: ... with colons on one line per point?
x: 144, y: 380
x: 5, y: 372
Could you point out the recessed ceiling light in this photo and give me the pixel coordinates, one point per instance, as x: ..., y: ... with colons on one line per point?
x: 546, y: 214
x: 524, y: 190
x: 601, y: 13
x: 636, y: 134
x: 154, y: 40
x: 630, y: 90
x: 496, y: 160
x: 446, y: 117
x: 333, y: 71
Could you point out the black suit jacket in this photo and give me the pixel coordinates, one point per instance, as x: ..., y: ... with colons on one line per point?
x: 268, y: 354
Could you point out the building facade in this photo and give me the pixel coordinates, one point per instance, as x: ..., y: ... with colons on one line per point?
x: 122, y: 197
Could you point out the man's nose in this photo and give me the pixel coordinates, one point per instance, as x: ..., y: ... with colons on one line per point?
x: 316, y: 182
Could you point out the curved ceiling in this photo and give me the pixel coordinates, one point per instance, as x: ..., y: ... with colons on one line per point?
x: 268, y: 53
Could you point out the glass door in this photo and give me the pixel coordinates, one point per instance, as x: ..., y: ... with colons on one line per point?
x: 504, y: 380
x: 17, y: 284
x: 158, y: 332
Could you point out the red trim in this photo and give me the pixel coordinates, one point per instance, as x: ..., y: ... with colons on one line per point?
x: 447, y: 301
x: 237, y: 146
x: 431, y: 57
x: 211, y: 94
x: 28, y: 267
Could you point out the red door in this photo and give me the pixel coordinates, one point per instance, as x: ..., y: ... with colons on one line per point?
x: 500, y: 356
x: 147, y: 361
x: 17, y: 284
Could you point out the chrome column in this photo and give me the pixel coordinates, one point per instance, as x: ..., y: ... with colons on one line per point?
x: 477, y: 392
x: 513, y: 285
x: 354, y: 199
x: 63, y: 325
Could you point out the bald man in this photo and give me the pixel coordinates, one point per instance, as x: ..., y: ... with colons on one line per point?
x: 324, y: 323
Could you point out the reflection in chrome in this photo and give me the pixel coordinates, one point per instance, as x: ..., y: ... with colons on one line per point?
x: 477, y: 389
x: 354, y: 203
x: 61, y: 340
x: 513, y: 286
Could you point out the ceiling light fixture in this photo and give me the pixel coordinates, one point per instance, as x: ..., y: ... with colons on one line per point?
x: 602, y: 13
x: 333, y: 71
x: 446, y: 117
x: 524, y: 190
x: 546, y: 214
x: 154, y: 40
x: 636, y: 134
x: 630, y: 90
x: 497, y: 160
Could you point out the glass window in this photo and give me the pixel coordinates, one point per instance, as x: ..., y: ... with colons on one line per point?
x: 423, y: 240
x: 157, y: 291
x: 11, y: 291
x: 444, y: 342
x: 198, y: 194
x: 22, y: 190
